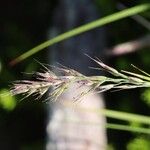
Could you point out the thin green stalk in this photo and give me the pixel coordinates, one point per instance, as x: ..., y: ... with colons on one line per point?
x: 126, y: 116
x: 119, y: 115
x: 128, y: 128
x: 84, y: 28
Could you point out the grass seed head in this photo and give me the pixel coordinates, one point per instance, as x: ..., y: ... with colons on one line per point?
x: 58, y: 84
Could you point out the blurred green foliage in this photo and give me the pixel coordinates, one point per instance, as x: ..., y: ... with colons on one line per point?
x: 146, y: 96
x: 139, y: 143
x: 7, y: 101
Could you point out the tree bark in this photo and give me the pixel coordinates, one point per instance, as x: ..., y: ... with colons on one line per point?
x: 68, y: 127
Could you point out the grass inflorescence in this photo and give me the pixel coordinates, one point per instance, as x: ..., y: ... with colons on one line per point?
x: 57, y: 84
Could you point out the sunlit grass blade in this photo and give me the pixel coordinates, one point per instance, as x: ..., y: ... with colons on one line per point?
x: 84, y: 28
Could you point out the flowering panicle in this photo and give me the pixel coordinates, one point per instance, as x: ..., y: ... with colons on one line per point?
x: 55, y: 85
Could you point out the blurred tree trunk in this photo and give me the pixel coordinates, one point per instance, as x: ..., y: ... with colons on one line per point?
x: 67, y: 126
